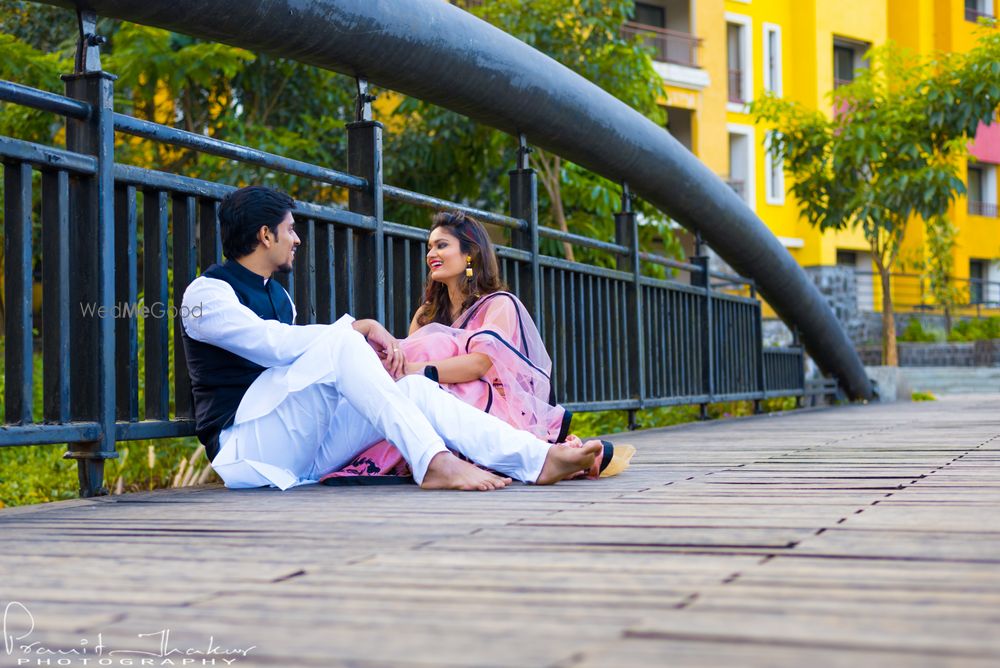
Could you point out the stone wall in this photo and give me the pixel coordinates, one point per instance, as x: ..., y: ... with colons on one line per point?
x: 839, y: 285
x: 975, y: 353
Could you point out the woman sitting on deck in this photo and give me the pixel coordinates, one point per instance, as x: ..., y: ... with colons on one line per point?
x: 478, y: 341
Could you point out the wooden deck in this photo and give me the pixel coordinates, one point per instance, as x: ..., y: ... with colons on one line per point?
x: 859, y: 536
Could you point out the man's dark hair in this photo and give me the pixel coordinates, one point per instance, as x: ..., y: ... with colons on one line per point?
x: 242, y: 214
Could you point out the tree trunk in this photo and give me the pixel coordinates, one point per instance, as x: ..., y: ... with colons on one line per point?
x: 551, y: 176
x: 559, y: 213
x: 889, y: 353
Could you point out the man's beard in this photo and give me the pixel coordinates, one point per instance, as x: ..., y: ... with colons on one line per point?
x: 285, y: 268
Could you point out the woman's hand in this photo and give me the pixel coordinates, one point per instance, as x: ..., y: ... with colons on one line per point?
x: 386, y: 346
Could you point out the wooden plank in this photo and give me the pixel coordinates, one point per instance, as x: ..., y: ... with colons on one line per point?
x: 770, y: 541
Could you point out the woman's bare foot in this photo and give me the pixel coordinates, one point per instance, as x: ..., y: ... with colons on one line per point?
x: 567, y: 459
x: 446, y: 471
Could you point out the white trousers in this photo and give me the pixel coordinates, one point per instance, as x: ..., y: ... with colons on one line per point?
x: 297, y: 423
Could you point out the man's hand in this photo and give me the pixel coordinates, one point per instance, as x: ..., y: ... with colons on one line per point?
x: 386, y: 346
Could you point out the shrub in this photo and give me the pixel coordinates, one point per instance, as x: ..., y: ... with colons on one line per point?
x: 915, y: 333
x: 976, y: 329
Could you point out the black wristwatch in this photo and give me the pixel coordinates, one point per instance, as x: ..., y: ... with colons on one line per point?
x: 431, y: 372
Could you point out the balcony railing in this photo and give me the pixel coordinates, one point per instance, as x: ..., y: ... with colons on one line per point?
x: 988, y: 209
x: 974, y: 15
x: 914, y: 293
x: 669, y: 46
x: 739, y: 187
x: 736, y: 86
x: 837, y: 83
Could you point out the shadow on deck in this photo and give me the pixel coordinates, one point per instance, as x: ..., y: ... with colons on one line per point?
x: 867, y: 535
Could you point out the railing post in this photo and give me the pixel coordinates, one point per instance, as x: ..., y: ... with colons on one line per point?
x: 364, y: 159
x: 796, y: 341
x: 92, y: 252
x: 702, y: 279
x: 524, y: 205
x: 627, y: 234
x: 759, y: 348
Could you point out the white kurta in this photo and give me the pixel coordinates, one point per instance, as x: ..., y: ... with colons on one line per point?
x: 325, y: 397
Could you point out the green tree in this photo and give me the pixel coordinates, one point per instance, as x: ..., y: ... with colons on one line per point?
x: 891, y: 151
x: 448, y: 155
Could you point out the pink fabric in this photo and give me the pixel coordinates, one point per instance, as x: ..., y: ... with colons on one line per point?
x: 516, y: 389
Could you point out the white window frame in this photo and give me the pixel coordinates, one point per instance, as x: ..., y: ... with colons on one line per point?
x: 774, y: 86
x: 769, y: 173
x: 750, y: 133
x: 746, y: 60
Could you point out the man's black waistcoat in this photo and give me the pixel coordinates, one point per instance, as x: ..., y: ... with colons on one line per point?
x: 219, y: 378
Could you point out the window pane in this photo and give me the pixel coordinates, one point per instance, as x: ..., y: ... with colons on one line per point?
x: 772, y: 60
x: 977, y: 276
x: 650, y: 15
x: 843, y: 63
x: 975, y: 184
x: 733, y: 45
x: 847, y: 259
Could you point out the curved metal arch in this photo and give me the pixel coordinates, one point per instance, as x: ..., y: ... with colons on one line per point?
x: 434, y: 51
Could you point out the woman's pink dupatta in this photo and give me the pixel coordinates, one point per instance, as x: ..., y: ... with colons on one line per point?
x: 517, y: 389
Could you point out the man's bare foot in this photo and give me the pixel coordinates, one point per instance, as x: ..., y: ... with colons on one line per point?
x: 567, y: 459
x: 446, y: 471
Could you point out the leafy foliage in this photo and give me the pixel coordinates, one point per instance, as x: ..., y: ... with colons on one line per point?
x: 38, y: 473
x: 976, y: 329
x: 915, y: 333
x: 449, y: 156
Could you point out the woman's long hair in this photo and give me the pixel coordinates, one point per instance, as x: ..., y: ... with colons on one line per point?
x: 475, y: 242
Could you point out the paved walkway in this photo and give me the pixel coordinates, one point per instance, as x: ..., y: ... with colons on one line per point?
x: 859, y: 536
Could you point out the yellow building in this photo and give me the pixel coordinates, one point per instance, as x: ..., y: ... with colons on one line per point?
x: 715, y: 56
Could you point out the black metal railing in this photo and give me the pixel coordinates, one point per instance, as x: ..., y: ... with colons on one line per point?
x: 669, y: 46
x: 738, y: 187
x: 914, y: 292
x: 987, y: 209
x: 619, y: 339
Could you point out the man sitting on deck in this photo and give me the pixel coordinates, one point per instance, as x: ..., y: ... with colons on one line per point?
x: 282, y: 404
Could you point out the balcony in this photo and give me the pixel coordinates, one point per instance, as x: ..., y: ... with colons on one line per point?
x: 988, y: 209
x: 669, y: 46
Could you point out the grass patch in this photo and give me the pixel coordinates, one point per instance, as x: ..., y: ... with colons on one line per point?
x: 610, y: 422
x: 39, y: 474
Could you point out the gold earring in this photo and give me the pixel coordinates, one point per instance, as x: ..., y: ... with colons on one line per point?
x: 468, y: 266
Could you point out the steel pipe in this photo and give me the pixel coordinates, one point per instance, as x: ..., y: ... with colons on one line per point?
x: 435, y: 51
